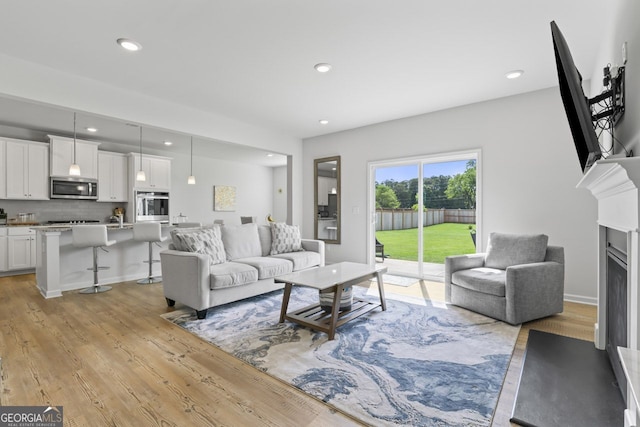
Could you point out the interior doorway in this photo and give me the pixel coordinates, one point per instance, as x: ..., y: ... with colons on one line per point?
x: 423, y: 209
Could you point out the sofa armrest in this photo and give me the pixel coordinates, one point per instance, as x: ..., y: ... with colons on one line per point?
x: 314, y: 246
x: 185, y: 278
x: 459, y: 262
x: 534, y: 290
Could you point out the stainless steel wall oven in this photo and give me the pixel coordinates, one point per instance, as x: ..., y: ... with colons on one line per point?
x: 152, y: 206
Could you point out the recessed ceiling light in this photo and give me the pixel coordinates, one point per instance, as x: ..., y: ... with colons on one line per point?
x: 514, y: 74
x: 168, y: 143
x: 92, y: 130
x: 269, y: 155
x: 322, y: 67
x: 128, y: 44
x: 323, y: 122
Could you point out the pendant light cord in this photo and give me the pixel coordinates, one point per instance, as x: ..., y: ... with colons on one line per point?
x: 191, y: 156
x: 74, y: 138
x: 140, y: 147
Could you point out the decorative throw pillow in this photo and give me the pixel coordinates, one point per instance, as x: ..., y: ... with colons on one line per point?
x: 285, y: 238
x: 204, y: 241
x: 506, y: 250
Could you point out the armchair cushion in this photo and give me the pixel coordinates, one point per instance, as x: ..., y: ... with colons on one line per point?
x: 506, y: 250
x: 483, y: 279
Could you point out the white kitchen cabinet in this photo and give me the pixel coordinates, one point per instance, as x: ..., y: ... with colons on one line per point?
x: 61, y: 153
x: 112, y: 177
x: 3, y: 167
x: 156, y: 168
x: 21, y: 248
x: 3, y: 249
x: 27, y: 170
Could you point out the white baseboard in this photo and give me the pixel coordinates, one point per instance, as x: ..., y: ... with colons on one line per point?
x: 581, y: 299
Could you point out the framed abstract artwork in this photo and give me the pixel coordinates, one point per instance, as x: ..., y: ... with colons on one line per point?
x: 224, y: 198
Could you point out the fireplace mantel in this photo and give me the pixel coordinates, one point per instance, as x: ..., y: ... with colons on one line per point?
x: 615, y: 183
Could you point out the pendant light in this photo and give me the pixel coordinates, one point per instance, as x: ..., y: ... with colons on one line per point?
x: 141, y: 176
x: 192, y: 179
x: 74, y: 169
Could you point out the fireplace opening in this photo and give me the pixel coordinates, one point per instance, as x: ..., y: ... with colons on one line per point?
x: 617, y: 311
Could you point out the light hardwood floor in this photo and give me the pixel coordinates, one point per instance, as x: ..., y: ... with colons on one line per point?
x: 110, y: 359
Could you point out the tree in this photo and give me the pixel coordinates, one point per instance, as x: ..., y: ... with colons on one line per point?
x: 463, y: 186
x: 433, y: 192
x: 405, y: 191
x: 386, y: 198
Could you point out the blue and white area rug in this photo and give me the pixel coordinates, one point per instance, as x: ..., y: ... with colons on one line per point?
x: 420, y: 363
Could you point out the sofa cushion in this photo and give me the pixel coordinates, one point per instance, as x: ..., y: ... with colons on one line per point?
x: 231, y: 274
x: 264, y: 232
x: 301, y: 259
x: 203, y: 241
x: 485, y: 280
x: 506, y: 250
x: 285, y: 238
x: 268, y: 267
x: 241, y: 241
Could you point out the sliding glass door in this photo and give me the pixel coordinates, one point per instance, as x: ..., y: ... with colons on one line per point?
x: 422, y: 210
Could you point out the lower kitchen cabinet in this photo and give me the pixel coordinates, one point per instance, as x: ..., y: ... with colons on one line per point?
x: 3, y: 249
x: 21, y: 248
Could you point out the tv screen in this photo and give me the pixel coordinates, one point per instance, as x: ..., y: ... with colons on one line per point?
x: 576, y: 104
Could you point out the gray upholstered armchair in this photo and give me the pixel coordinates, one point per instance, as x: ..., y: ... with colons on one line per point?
x: 518, y: 279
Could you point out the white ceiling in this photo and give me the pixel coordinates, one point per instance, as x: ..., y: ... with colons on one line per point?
x: 252, y: 60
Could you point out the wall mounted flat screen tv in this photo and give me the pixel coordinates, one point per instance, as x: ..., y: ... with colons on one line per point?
x: 576, y: 104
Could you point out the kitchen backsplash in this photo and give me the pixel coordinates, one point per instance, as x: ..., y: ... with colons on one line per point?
x: 55, y: 210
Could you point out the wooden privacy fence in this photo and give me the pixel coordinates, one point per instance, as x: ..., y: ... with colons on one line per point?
x: 400, y: 219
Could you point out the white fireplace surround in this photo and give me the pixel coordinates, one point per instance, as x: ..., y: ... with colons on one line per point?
x: 615, y: 183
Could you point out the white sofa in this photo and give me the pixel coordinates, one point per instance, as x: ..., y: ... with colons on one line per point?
x: 210, y: 266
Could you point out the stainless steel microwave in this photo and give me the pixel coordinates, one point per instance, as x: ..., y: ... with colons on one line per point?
x: 74, y: 188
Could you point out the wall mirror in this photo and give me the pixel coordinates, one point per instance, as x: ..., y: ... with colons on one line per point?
x: 327, y: 199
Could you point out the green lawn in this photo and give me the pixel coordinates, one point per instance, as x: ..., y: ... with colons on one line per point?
x: 440, y: 241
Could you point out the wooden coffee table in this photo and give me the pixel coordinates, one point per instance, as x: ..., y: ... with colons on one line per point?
x: 331, y: 278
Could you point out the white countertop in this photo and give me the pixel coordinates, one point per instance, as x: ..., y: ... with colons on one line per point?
x: 67, y: 227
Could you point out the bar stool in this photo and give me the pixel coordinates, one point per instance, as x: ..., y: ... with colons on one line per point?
x: 149, y: 232
x: 93, y: 236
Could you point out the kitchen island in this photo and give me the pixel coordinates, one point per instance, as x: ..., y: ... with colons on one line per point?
x: 61, y: 267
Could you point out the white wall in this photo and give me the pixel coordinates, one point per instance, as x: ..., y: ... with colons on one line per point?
x: 279, y: 210
x: 253, y: 184
x: 624, y: 28
x: 529, y: 173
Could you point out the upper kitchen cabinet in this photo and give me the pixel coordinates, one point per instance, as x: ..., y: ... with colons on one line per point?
x: 3, y: 165
x: 112, y: 177
x: 157, y: 170
x: 27, y: 170
x: 86, y: 156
